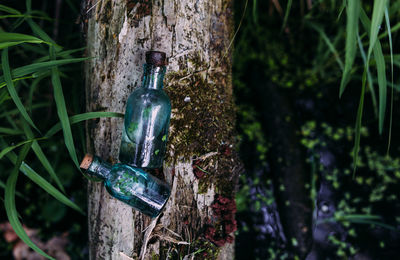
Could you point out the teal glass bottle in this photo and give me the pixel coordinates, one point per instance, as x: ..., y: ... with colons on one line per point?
x: 131, y: 185
x: 147, y: 116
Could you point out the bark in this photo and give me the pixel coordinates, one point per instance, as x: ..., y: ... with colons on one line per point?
x: 201, y: 166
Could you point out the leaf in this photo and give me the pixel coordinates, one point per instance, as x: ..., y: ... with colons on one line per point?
x: 353, y: 11
x: 82, y: 117
x: 62, y: 114
x: 40, y: 67
x: 392, y: 81
x: 42, y: 157
x: 381, y: 69
x: 42, y: 183
x: 9, y: 203
x: 374, y: 45
x: 11, y: 89
x: 42, y: 34
x: 9, y: 10
x: 377, y: 16
x: 328, y: 43
x: 10, y: 131
x: 359, y: 123
x: 9, y: 39
x: 10, y: 148
x: 369, y: 77
x: 285, y: 19
x: 15, y: 80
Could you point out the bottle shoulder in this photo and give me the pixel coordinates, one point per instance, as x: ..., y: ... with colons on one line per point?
x: 149, y: 96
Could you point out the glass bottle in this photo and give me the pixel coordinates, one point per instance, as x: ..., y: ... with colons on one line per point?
x: 147, y: 115
x: 128, y: 184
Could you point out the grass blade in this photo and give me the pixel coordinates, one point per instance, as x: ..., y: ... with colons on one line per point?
x: 42, y: 34
x: 380, y: 65
x: 10, y: 148
x: 359, y: 124
x: 11, y: 89
x: 16, y: 80
x: 9, y: 10
x: 391, y: 63
x: 328, y: 43
x: 18, y: 37
x: 39, y: 67
x: 377, y: 16
x: 10, y: 131
x: 82, y: 117
x: 374, y: 45
x: 285, y: 19
x: 353, y: 11
x: 42, y: 157
x: 369, y: 77
x: 42, y: 183
x: 62, y: 114
x: 381, y: 69
x: 9, y: 203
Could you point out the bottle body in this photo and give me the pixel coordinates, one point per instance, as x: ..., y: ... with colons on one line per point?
x: 131, y: 185
x: 138, y: 189
x: 146, y: 122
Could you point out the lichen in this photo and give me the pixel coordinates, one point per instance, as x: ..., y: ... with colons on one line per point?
x: 202, y: 121
x: 206, y: 121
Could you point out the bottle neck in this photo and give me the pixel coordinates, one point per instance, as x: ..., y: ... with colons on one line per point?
x: 153, y: 76
x: 99, y: 169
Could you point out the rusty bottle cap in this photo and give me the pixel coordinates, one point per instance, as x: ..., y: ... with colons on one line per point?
x: 87, y: 161
x: 156, y: 58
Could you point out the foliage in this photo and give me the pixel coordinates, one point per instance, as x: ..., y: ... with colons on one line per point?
x: 321, y: 50
x: 33, y: 69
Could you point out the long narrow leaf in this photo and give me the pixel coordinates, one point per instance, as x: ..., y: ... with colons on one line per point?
x: 11, y: 89
x: 9, y: 203
x: 62, y: 114
x: 42, y: 34
x: 82, y: 117
x: 18, y: 37
x: 359, y: 123
x: 10, y: 131
x: 392, y: 80
x: 42, y: 183
x: 369, y: 77
x: 42, y: 157
x: 377, y: 16
x: 9, y: 10
x: 328, y: 43
x: 353, y: 11
x: 381, y: 68
x: 41, y: 66
x: 10, y: 148
x: 285, y: 19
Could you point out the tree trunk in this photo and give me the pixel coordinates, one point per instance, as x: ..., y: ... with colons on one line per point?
x: 201, y: 165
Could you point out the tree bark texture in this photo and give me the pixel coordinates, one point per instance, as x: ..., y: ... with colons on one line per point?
x: 201, y: 166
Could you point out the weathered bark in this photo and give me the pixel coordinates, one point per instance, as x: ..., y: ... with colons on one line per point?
x: 195, y: 35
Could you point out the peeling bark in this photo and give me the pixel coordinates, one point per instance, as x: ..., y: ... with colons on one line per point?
x: 195, y: 35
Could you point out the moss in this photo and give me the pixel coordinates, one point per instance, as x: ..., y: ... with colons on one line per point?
x: 202, y: 124
x: 205, y: 250
x: 202, y: 120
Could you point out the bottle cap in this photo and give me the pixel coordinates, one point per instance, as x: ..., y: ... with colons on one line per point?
x: 156, y: 58
x: 87, y: 161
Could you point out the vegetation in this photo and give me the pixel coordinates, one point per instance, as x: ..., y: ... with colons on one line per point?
x: 311, y: 51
